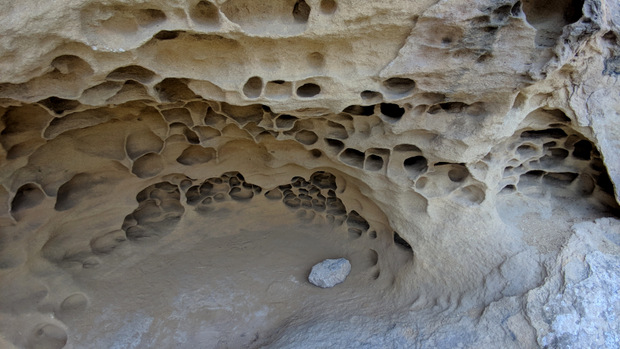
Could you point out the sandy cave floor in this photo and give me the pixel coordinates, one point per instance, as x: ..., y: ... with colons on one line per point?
x: 218, y: 281
x: 223, y: 277
x: 224, y: 291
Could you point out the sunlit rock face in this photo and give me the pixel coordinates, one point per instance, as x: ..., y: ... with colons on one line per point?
x: 171, y: 170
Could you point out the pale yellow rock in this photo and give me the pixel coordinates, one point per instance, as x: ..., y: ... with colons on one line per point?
x: 171, y: 170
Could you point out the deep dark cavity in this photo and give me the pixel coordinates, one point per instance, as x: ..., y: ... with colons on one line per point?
x: 59, y: 105
x: 352, y: 157
x: 366, y: 110
x: 550, y: 16
x: 583, y: 150
x: 393, y: 111
x: 285, y: 121
x: 550, y: 133
x: 28, y: 195
x: 166, y: 35
x: 301, y: 11
x: 416, y: 165
x: 308, y: 90
x: 335, y: 144
x: 253, y: 87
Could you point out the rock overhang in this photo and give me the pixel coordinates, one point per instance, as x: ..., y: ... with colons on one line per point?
x: 439, y: 121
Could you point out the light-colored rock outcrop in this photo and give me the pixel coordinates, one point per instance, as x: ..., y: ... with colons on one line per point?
x: 170, y: 170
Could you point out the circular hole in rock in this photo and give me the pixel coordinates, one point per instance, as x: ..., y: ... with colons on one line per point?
x: 205, y: 13
x: 527, y: 150
x: 148, y: 165
x: 308, y: 90
x: 253, y: 87
x: 470, y: 195
x: 586, y: 184
x: 393, y: 111
x: 306, y: 137
x: 316, y: 153
x: 583, y: 150
x: 301, y: 11
x: 458, y: 173
x: 370, y: 95
x: 421, y: 183
x: 334, y: 144
x: 328, y: 6
x: 374, y: 162
x: 352, y: 157
x: 416, y: 165
x: 285, y: 121
x: 549, y: 17
x: 510, y: 188
x: 195, y: 154
x: 27, y: 196
x: 399, y: 85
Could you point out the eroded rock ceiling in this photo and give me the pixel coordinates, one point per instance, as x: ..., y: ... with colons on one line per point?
x: 171, y: 170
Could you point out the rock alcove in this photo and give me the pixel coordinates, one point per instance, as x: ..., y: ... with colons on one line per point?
x: 171, y: 170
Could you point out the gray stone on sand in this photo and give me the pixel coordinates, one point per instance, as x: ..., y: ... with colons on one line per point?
x: 329, y: 272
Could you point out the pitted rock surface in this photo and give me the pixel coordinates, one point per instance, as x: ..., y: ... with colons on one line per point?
x: 170, y: 169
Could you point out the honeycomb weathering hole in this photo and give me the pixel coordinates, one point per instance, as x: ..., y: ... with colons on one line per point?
x: 392, y: 111
x: 549, y: 17
x: 301, y: 11
x: 416, y: 165
x: 170, y: 172
x: 205, y: 13
x: 328, y: 6
x: 253, y: 87
x: 399, y: 85
x: 308, y: 90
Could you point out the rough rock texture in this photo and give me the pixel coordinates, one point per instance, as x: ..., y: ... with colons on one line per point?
x: 170, y: 169
x: 329, y: 272
x: 578, y: 305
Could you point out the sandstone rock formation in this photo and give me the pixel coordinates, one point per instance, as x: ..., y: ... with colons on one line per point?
x: 171, y: 170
